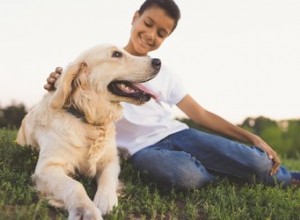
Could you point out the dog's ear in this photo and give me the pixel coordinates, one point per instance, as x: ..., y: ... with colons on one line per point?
x: 66, y: 83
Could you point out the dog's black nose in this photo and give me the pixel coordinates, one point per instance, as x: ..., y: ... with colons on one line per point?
x: 156, y: 63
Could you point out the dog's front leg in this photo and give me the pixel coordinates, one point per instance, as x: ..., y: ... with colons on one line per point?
x: 51, y: 179
x: 106, y: 196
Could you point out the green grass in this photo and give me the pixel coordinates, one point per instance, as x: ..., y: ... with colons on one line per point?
x: 225, y: 199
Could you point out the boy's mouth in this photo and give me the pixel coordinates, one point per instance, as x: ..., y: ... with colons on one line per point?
x: 145, y: 43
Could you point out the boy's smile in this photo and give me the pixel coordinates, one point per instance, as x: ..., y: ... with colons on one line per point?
x: 149, y: 30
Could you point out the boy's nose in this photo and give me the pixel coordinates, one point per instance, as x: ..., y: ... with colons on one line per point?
x: 150, y: 36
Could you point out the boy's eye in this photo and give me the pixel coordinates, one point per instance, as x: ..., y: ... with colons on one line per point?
x: 117, y: 54
x: 162, y: 34
x: 148, y: 24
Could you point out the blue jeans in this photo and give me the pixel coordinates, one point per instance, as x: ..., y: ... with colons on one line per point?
x: 191, y: 159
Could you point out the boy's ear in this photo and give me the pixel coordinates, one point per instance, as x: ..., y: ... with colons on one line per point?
x: 135, y: 16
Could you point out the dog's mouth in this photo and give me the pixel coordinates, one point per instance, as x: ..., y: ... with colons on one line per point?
x: 132, y: 90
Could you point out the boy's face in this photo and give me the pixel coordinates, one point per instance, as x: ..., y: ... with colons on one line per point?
x: 149, y: 30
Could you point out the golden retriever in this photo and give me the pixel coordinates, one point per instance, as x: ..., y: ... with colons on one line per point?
x: 73, y: 128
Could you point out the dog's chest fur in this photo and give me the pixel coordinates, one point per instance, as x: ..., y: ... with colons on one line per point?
x: 89, y: 145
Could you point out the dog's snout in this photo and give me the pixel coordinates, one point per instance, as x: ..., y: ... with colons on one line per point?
x: 156, y: 63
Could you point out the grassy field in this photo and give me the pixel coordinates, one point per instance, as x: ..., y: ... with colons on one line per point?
x: 225, y: 199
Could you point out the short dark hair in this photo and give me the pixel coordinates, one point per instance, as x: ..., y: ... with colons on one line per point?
x: 169, y: 6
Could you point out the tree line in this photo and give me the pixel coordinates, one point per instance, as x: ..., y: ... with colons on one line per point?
x: 283, y: 136
x: 11, y: 116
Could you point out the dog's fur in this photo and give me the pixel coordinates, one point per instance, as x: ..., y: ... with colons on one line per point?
x: 73, y: 128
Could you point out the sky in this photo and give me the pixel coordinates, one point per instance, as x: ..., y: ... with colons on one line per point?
x: 237, y: 58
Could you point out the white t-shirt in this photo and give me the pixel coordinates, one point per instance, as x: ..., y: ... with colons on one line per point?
x: 144, y: 125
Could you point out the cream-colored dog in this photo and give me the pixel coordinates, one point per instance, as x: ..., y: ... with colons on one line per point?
x: 73, y: 128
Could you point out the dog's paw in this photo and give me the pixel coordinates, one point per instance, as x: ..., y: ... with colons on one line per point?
x: 106, y: 201
x: 85, y: 213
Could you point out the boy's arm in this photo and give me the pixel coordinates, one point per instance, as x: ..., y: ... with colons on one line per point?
x: 219, y: 125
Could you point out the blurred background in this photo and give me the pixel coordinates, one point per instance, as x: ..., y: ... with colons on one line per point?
x: 238, y: 59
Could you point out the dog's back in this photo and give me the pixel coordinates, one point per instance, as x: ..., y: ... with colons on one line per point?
x: 40, y: 118
x: 32, y: 122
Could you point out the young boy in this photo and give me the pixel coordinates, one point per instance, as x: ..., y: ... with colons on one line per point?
x: 168, y: 150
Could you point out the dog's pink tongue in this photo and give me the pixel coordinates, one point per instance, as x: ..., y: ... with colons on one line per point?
x: 147, y: 90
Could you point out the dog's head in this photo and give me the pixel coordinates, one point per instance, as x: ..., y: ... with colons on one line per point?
x: 109, y: 72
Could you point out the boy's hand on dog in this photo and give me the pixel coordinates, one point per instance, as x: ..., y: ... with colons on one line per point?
x: 52, y: 79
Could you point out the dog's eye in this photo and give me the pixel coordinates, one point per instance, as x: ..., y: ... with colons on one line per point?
x: 117, y: 54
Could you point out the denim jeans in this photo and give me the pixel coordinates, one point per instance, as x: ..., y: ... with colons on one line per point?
x: 191, y: 159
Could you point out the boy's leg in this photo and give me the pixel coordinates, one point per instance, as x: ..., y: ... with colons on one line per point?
x: 229, y: 157
x: 170, y: 167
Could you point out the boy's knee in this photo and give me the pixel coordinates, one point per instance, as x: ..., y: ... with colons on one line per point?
x: 262, y: 170
x: 262, y: 166
x: 257, y: 163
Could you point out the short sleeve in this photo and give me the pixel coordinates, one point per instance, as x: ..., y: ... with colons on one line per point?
x: 173, y: 86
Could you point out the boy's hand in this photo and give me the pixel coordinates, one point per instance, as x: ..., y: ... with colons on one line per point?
x: 52, y: 79
x: 271, y: 154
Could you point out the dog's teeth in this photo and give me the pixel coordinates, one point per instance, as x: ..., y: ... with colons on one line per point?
x: 125, y: 88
